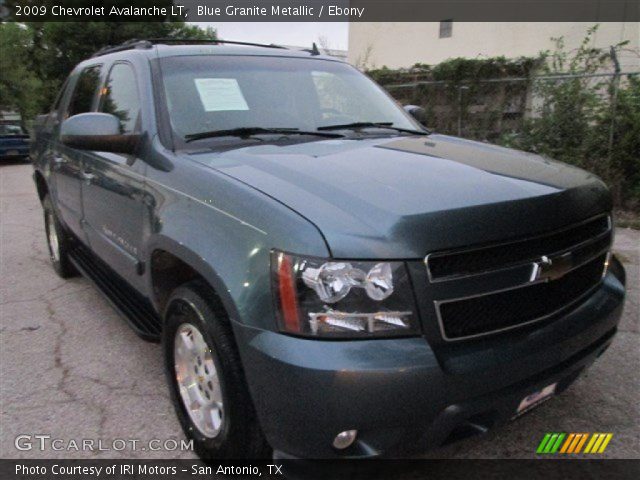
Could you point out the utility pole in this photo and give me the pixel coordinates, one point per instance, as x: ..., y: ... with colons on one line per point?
x: 461, y: 88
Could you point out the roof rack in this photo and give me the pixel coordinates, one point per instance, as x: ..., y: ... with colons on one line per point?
x: 148, y: 43
x: 187, y: 41
x: 128, y: 45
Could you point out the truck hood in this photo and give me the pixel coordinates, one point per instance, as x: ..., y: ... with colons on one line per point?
x: 404, y: 197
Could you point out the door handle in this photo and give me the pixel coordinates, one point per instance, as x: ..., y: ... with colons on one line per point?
x: 57, y: 160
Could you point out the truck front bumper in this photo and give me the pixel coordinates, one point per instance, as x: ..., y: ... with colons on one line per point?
x: 404, y: 397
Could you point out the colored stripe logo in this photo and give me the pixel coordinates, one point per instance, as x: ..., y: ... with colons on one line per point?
x: 569, y: 443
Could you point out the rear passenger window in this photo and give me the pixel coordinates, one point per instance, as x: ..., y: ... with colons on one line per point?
x: 55, y: 114
x: 85, y: 91
x: 56, y: 105
x: 120, y: 97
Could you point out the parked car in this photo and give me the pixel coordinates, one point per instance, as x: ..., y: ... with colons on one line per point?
x: 14, y: 141
x: 327, y: 277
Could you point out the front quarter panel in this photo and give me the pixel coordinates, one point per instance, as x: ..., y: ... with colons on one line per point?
x: 225, y: 230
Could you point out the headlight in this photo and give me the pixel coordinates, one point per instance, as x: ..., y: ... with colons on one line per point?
x: 326, y: 298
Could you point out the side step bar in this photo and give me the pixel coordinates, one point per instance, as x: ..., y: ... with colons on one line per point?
x: 135, y: 308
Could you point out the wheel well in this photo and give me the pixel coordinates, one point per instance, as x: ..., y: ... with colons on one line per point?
x: 168, y: 272
x: 41, y: 185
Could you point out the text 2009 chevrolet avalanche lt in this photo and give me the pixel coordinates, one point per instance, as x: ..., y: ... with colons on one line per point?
x: 327, y: 278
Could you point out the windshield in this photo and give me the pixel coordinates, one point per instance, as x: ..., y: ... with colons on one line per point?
x: 209, y: 93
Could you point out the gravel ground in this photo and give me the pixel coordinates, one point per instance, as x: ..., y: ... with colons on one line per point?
x: 71, y: 368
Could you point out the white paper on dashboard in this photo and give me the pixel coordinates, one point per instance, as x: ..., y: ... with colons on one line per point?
x: 220, y: 94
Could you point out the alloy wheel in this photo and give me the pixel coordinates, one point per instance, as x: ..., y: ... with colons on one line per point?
x: 52, y: 238
x: 198, y: 380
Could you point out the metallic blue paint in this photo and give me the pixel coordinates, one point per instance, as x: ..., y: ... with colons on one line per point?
x: 222, y: 212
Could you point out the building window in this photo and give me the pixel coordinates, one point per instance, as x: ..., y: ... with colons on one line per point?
x: 446, y: 27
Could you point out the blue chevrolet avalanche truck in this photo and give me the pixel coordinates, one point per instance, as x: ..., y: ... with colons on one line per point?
x: 327, y: 277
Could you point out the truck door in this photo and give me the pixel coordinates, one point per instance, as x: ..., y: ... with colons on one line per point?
x: 66, y: 163
x: 113, y: 188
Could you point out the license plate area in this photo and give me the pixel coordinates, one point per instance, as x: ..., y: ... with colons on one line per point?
x: 534, y: 399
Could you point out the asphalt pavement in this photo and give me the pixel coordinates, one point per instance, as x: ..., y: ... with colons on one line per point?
x: 72, y: 369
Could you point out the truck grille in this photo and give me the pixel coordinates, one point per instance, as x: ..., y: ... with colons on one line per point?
x: 501, y: 310
x: 519, y: 282
x: 447, y: 265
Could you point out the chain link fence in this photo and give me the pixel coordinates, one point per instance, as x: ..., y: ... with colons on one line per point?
x: 487, y: 109
x: 591, y: 120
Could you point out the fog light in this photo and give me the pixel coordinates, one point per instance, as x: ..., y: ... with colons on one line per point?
x: 344, y: 439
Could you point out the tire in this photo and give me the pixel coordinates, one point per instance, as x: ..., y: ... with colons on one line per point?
x: 58, y: 241
x: 191, y: 310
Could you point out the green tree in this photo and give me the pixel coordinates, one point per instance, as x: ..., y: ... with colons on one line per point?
x: 614, y: 144
x: 20, y: 88
x: 35, y: 58
x: 568, y: 107
x: 586, y: 120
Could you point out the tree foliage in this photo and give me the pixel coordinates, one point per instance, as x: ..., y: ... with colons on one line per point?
x: 565, y: 104
x: 20, y: 87
x: 586, y: 120
x: 622, y: 162
x: 48, y: 51
x: 457, y: 70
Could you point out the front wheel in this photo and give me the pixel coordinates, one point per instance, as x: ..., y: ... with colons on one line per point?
x: 206, y: 380
x: 58, y: 241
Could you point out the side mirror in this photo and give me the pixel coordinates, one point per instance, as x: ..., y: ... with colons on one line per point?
x: 97, y: 131
x: 417, y: 112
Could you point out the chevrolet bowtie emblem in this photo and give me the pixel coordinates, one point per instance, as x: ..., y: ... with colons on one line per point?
x: 551, y: 268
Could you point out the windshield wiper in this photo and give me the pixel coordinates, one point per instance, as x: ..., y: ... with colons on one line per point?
x: 245, y: 132
x: 359, y: 125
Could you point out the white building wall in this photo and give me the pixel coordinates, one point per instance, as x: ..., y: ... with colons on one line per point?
x: 403, y: 44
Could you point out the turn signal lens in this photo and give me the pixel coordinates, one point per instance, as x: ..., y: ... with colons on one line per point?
x: 287, y: 293
x: 359, y: 322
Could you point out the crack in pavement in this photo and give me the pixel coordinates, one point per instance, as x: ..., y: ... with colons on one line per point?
x: 46, y: 296
x: 68, y: 374
x: 66, y: 370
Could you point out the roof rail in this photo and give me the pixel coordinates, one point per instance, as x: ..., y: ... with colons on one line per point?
x: 148, y: 43
x: 188, y: 41
x: 128, y: 45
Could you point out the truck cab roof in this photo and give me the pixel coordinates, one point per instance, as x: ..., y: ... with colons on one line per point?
x: 150, y: 48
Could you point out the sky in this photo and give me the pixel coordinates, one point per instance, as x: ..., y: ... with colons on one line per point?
x: 300, y: 34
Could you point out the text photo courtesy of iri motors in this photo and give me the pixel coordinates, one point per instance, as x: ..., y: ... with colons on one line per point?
x: 394, y: 241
